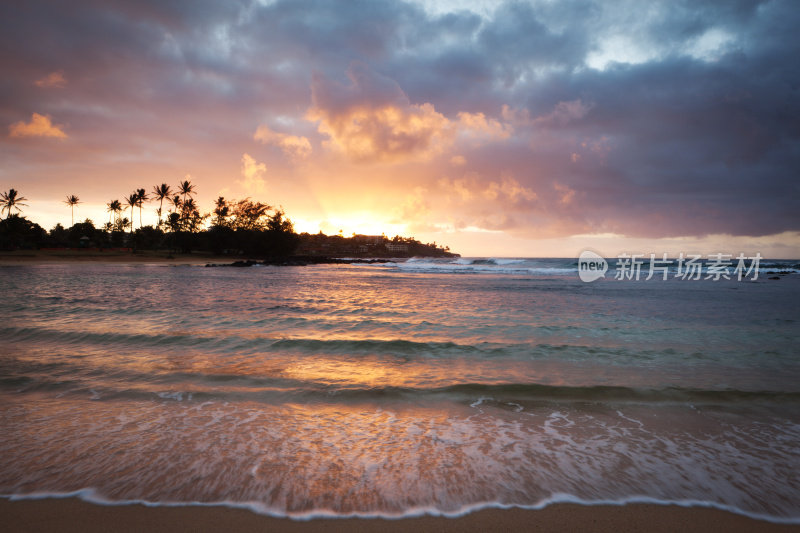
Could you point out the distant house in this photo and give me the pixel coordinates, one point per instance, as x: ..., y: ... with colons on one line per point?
x: 368, y: 239
x: 396, y: 247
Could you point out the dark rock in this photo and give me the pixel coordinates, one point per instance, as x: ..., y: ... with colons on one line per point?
x: 300, y: 260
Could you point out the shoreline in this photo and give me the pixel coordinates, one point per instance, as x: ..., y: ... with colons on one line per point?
x: 73, y: 514
x: 28, y: 257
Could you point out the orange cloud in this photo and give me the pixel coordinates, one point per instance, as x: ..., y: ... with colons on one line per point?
x: 510, y: 190
x: 39, y: 126
x: 253, y: 173
x: 53, y: 80
x: 386, y: 133
x: 473, y: 186
x: 476, y: 124
x: 372, y: 119
x: 291, y: 145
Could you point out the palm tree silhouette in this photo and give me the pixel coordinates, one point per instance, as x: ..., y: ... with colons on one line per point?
x: 142, y: 194
x: 132, y: 200
x: 221, y: 210
x: 115, y: 208
x: 72, y: 201
x: 11, y: 200
x: 160, y: 193
x: 190, y: 218
x: 176, y: 203
x: 186, y: 188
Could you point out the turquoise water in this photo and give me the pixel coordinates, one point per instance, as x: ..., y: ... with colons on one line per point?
x: 425, y: 386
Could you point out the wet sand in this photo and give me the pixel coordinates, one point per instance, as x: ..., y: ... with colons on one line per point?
x: 74, y: 515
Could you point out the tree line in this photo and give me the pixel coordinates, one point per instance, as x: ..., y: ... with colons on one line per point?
x: 235, y: 227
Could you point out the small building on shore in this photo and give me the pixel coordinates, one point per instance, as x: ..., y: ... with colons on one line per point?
x: 397, y: 247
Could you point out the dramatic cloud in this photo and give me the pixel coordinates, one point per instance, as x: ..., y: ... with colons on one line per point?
x: 39, y: 126
x: 372, y: 119
x: 534, y: 119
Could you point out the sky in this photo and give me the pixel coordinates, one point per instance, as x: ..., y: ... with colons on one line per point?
x: 536, y: 128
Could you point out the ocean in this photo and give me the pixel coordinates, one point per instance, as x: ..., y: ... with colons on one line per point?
x: 399, y: 389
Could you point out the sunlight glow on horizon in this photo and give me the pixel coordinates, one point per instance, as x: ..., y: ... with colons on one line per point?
x: 468, y: 241
x: 505, y: 129
x: 359, y: 223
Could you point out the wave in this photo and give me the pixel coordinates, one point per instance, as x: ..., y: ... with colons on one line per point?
x: 204, y: 386
x: 91, y: 495
x: 614, y: 394
x: 554, y: 267
x: 247, y: 343
x: 490, y: 265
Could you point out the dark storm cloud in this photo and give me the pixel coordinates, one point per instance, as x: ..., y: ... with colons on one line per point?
x: 700, y: 134
x: 518, y: 39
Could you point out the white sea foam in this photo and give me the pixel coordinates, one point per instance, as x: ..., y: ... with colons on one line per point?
x: 370, y: 460
x: 91, y: 495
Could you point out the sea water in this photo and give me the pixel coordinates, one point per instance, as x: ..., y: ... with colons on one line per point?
x: 421, y: 386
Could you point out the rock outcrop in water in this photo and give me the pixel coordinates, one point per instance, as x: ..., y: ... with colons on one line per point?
x: 298, y: 261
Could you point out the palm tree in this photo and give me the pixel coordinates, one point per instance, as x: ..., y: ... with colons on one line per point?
x: 160, y: 193
x: 72, y: 201
x: 115, y: 208
x: 142, y: 194
x: 221, y: 210
x: 132, y: 200
x: 10, y: 200
x: 176, y: 203
x: 190, y: 217
x: 186, y: 188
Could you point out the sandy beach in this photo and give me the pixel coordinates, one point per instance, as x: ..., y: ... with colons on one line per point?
x: 70, y: 514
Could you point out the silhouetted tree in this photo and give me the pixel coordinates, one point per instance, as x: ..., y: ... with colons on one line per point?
x: 186, y: 188
x: 115, y: 208
x: 190, y: 218
x: 176, y: 203
x: 72, y: 201
x: 249, y: 215
x: 19, y: 232
x: 141, y: 199
x: 11, y: 200
x: 147, y: 238
x: 132, y: 200
x: 80, y: 230
x: 160, y: 193
x: 221, y: 212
